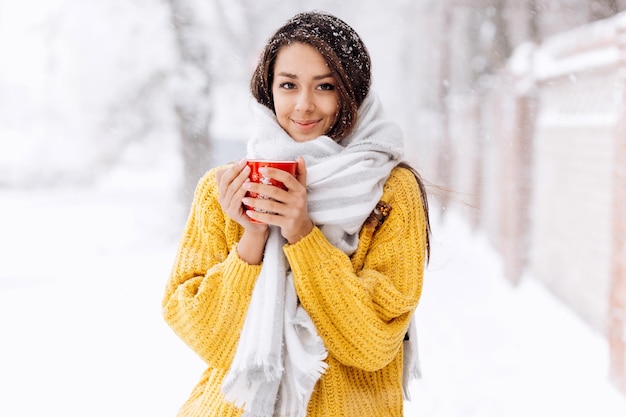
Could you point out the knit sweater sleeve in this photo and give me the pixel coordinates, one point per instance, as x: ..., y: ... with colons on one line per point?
x: 210, y: 285
x: 363, y: 313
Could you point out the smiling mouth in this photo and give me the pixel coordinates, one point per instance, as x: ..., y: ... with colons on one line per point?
x: 306, y: 124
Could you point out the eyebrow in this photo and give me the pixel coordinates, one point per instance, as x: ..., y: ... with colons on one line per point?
x: 294, y: 76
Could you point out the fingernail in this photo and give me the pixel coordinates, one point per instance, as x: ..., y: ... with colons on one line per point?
x: 242, y: 162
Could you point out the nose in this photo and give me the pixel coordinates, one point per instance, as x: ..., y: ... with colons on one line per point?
x: 304, y: 102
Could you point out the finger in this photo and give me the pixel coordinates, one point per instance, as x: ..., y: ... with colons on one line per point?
x: 266, y: 191
x: 232, y: 172
x: 274, y: 173
x: 260, y: 217
x: 231, y: 186
x: 241, y: 179
x: 263, y: 204
x: 288, y: 180
x: 278, y: 201
x: 218, y: 174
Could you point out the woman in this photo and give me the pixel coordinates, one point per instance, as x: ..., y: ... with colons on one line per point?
x: 307, y: 310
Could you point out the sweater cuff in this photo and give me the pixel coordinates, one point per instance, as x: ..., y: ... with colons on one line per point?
x: 313, y: 243
x: 239, y: 273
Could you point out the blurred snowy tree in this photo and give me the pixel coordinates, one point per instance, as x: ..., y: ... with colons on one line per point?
x: 83, y: 89
x: 191, y: 95
x: 601, y: 9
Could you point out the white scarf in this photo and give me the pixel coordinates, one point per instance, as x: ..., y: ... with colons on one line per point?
x: 280, y: 356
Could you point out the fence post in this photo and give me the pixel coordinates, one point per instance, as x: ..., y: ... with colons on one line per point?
x: 617, y: 295
x: 517, y: 186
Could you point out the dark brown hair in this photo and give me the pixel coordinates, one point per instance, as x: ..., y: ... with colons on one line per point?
x: 344, y: 52
x: 424, y: 197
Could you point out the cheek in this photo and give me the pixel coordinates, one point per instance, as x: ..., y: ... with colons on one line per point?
x: 333, y: 105
x: 280, y: 110
x: 333, y: 109
x: 279, y: 103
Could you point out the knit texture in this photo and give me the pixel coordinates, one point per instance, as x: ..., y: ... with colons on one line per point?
x: 360, y: 304
x: 280, y: 355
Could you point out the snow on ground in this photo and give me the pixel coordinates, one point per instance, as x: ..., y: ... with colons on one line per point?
x: 488, y: 349
x: 81, y: 280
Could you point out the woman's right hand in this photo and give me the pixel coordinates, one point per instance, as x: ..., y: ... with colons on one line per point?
x: 231, y: 192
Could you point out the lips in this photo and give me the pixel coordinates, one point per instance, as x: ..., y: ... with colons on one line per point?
x: 306, y: 124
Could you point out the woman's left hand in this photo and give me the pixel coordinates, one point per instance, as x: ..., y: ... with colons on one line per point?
x: 286, y: 209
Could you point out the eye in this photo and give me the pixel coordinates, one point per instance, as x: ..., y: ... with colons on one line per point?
x: 326, y: 87
x: 287, y: 85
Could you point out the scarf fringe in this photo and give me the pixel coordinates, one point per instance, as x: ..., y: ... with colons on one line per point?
x: 411, y: 368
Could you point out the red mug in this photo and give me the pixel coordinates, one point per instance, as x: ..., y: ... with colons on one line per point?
x: 255, y: 176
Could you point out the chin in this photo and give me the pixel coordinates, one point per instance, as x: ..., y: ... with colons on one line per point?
x: 304, y: 138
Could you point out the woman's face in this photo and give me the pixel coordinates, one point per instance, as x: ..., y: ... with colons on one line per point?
x: 305, y: 100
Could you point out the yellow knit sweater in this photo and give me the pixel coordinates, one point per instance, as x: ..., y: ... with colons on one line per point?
x: 361, y: 304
